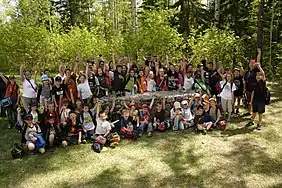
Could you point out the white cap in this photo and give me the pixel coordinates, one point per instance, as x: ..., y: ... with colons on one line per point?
x: 177, y: 105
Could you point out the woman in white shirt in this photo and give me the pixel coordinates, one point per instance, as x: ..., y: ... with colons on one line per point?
x: 29, y: 88
x: 227, y: 91
x: 188, y: 81
x: 84, y: 91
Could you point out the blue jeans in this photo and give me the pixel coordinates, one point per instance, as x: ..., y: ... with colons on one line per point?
x: 177, y: 124
x: 144, y: 125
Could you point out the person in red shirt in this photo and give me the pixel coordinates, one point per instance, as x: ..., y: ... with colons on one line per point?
x: 71, y: 88
x: 13, y: 93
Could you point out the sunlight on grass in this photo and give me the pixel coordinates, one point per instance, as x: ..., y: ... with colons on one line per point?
x: 238, y: 157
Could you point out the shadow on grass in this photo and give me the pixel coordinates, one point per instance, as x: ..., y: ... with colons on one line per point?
x: 251, y: 157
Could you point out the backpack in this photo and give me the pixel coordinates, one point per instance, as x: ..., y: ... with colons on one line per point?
x: 17, y: 151
x: 96, y: 147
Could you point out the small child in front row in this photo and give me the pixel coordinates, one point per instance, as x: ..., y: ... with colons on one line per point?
x: 203, y: 121
x: 127, y: 128
x: 87, y: 122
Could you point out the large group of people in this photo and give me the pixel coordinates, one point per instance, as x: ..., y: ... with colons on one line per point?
x: 70, y: 108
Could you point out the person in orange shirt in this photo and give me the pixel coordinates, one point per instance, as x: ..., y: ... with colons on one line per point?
x: 142, y: 83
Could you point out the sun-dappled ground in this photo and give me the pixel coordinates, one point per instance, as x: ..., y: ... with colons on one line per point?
x: 239, y: 157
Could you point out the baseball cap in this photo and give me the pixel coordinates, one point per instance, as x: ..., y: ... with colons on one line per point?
x: 212, y: 99
x: 177, y: 105
x: 44, y: 78
x: 28, y: 117
x: 50, y: 116
x: 197, y: 95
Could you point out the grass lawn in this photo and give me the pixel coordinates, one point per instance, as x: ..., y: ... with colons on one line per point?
x: 238, y: 157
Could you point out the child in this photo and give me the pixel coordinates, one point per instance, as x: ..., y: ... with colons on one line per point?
x: 71, y: 88
x: 227, y: 92
x: 118, y: 83
x: 161, y: 80
x: 214, y: 111
x: 188, y: 119
x: 172, y: 78
x: 127, y: 128
x: 44, y: 90
x: 151, y: 84
x: 103, y: 87
x: 52, y: 132
x: 145, y: 118
x: 130, y: 84
x: 84, y: 91
x: 258, y: 97
x: 195, y: 102
x: 31, y: 134
x: 142, y: 83
x: 203, y: 121
x: 239, y: 83
x: 188, y: 81
x: 160, y: 116
x: 103, y: 126
x: 58, y: 91
x: 64, y: 112
x: 72, y: 131
x: 87, y: 121
x: 176, y: 117
x: 34, y: 112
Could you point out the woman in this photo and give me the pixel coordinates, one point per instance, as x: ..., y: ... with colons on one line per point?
x: 29, y: 88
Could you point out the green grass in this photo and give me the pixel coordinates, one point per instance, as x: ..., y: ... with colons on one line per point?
x: 238, y: 157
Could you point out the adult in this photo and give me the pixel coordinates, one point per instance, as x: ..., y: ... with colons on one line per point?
x: 2, y: 94
x: 13, y: 93
x: 250, y: 80
x: 29, y: 88
x: 62, y: 72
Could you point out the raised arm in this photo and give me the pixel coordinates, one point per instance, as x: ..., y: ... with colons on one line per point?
x: 86, y: 71
x: 113, y: 105
x: 4, y: 78
x: 163, y: 101
x: 19, y: 118
x: 21, y: 73
x: 75, y: 69
x: 114, y: 62
x: 152, y: 102
x: 242, y: 71
x: 259, y: 55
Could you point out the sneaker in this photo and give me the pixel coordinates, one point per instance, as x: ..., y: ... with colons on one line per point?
x: 140, y: 134
x: 149, y: 134
x: 259, y: 127
x: 204, y: 132
x: 113, y: 144
x: 251, y: 123
x: 84, y: 141
x: 237, y: 111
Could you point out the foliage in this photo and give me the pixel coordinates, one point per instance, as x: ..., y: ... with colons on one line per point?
x: 219, y: 44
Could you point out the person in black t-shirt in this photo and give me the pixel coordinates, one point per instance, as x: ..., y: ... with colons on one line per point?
x: 160, y: 116
x: 258, y: 97
x: 58, y: 91
x: 239, y: 82
x: 172, y: 78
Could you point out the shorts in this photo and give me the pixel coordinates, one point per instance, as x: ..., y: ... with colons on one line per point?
x: 226, y: 105
x: 72, y: 139
x: 248, y: 96
x: 238, y: 93
x: 28, y: 101
x: 259, y: 107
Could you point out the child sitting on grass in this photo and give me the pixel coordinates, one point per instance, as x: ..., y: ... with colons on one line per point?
x: 31, y: 134
x: 127, y: 128
x: 176, y: 117
x: 203, y: 121
x: 72, y: 131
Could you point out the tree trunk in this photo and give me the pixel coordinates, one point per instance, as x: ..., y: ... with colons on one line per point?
x: 134, y: 15
x: 260, y: 26
x: 216, y: 12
